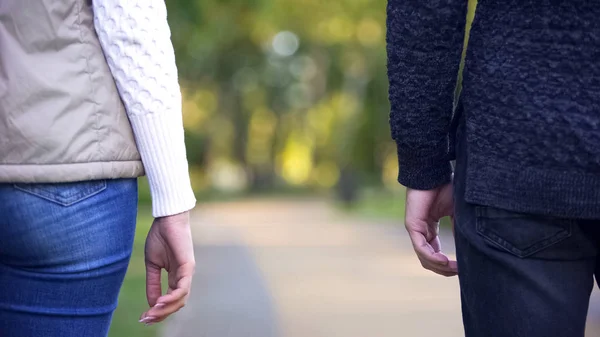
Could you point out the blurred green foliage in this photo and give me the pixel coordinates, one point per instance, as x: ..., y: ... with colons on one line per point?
x: 281, y: 93
x: 284, y: 93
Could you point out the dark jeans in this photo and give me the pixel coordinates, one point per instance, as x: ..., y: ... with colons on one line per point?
x: 522, y: 275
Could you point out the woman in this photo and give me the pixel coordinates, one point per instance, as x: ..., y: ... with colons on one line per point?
x: 89, y: 99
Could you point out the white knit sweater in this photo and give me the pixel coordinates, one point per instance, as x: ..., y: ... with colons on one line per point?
x: 135, y: 37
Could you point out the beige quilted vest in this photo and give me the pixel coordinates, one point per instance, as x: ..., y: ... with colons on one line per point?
x: 61, y: 118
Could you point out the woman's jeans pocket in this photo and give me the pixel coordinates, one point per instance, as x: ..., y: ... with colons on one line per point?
x: 65, y: 194
x: 524, y: 235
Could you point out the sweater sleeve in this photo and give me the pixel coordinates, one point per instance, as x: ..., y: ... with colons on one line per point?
x: 135, y: 38
x: 424, y: 46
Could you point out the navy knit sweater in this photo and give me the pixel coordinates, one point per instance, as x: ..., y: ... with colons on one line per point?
x: 530, y: 100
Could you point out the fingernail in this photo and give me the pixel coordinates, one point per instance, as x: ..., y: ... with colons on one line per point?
x: 146, y: 319
x: 159, y: 305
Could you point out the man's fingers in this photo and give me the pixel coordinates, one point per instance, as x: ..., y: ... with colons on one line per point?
x: 425, y: 251
x: 453, y: 265
x: 431, y: 258
x: 445, y: 273
x: 153, y: 287
x: 436, y: 244
x: 450, y: 269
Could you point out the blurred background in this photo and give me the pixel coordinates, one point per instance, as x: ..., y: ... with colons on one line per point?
x: 298, y: 228
x: 284, y: 95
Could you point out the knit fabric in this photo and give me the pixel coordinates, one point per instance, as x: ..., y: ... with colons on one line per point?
x: 135, y: 38
x: 530, y: 100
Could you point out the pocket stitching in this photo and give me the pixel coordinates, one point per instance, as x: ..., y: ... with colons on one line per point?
x: 82, y: 195
x: 530, y: 250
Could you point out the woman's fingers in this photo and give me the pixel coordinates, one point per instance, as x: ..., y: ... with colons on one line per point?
x: 174, y: 300
x: 153, y: 283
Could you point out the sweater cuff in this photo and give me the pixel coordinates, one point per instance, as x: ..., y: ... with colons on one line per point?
x: 425, y: 174
x: 160, y: 141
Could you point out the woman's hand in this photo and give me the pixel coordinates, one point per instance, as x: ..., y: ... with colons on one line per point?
x: 168, y: 246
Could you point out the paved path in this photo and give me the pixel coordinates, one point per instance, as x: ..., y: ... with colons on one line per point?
x: 300, y: 269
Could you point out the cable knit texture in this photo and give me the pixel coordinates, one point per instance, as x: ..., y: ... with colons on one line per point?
x: 135, y: 37
x: 530, y: 100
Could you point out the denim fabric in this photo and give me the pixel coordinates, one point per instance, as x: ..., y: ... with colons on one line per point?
x: 64, y: 251
x: 522, y: 275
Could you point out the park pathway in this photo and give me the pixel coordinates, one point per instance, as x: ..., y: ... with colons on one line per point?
x: 298, y: 268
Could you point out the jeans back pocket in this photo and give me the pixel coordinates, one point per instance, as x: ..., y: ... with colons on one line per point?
x: 65, y: 194
x: 521, y: 234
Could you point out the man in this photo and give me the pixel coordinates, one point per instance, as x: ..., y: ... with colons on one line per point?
x: 526, y: 138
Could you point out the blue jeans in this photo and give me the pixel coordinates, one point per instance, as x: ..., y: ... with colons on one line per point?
x: 64, y: 251
x: 522, y: 275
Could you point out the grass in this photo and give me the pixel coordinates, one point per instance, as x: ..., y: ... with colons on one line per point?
x: 379, y: 203
x: 386, y: 204
x: 132, y: 299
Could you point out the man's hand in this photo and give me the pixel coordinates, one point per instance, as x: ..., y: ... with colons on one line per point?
x: 168, y: 246
x: 424, y: 209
